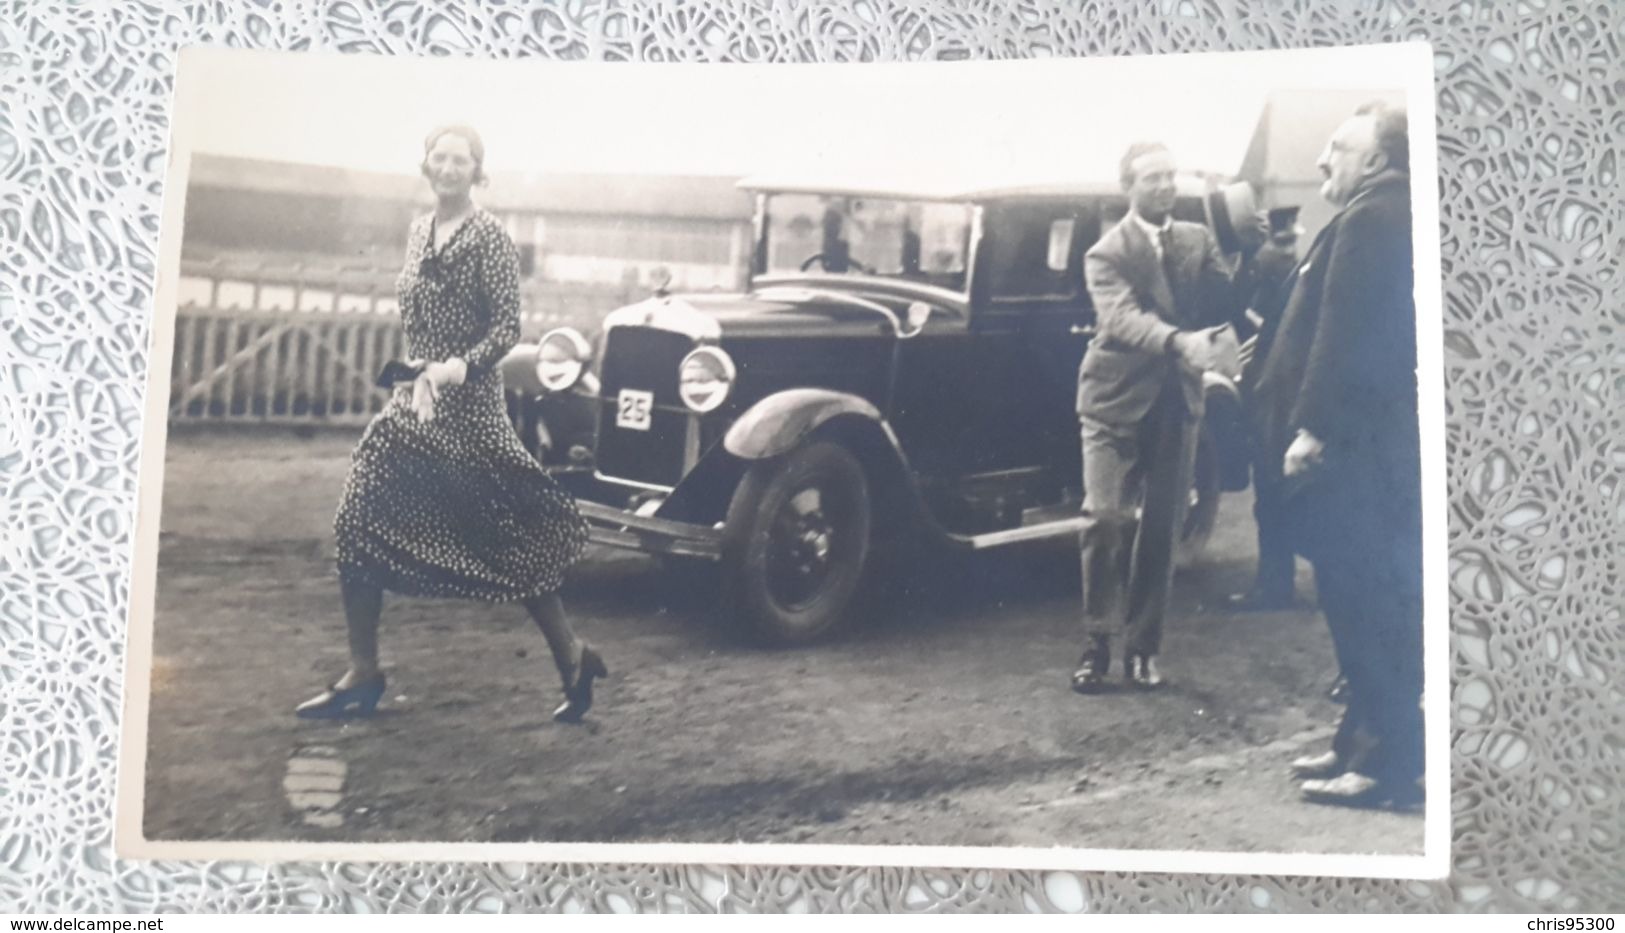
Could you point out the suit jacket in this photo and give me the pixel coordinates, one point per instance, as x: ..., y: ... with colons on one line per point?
x: 1138, y: 304
x: 1343, y: 361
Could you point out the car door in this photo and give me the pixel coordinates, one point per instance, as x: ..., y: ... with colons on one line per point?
x: 1034, y: 309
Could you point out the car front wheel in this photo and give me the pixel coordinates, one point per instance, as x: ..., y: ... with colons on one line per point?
x: 796, y: 543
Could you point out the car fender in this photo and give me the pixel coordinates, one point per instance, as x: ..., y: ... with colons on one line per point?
x: 778, y: 422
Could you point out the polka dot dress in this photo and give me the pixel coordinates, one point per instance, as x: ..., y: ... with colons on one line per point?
x: 455, y: 507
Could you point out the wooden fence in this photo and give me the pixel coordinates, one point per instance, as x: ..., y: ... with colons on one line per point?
x: 294, y: 345
x: 259, y: 366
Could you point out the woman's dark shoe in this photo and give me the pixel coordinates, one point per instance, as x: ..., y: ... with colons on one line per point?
x: 578, y: 689
x: 333, y: 703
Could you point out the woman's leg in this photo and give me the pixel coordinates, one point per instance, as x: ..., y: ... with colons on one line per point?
x: 358, y: 691
x: 363, y: 604
x: 577, y: 662
x: 548, y: 611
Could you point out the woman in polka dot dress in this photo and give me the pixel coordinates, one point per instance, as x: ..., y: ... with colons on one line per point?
x: 442, y: 500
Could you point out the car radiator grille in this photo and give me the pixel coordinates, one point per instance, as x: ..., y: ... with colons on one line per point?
x: 642, y: 360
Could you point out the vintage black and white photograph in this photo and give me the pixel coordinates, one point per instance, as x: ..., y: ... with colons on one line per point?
x: 1011, y: 464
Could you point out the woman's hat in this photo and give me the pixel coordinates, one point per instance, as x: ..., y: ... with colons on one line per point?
x: 1234, y: 203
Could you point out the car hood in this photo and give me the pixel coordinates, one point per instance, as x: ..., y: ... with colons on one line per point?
x: 860, y: 306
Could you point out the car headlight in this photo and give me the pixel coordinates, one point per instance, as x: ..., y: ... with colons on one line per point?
x: 562, y: 358
x: 705, y: 378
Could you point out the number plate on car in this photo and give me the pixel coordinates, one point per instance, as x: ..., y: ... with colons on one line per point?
x: 632, y: 409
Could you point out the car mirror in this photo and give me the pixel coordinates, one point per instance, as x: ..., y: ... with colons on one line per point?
x: 918, y: 313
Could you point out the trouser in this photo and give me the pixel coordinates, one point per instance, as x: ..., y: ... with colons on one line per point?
x: 1275, y: 556
x: 1370, y: 587
x: 1128, y: 565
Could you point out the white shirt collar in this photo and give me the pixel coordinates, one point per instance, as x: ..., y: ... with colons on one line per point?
x: 1153, y: 232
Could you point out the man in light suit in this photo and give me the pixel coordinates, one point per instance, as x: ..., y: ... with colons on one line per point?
x: 1336, y: 400
x: 1162, y: 296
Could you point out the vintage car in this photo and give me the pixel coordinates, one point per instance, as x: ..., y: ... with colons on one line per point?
x: 903, y: 363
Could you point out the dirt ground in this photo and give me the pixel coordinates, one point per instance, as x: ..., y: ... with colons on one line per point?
x: 944, y: 718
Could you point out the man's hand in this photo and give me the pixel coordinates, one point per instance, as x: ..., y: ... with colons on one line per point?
x: 1253, y: 232
x: 1195, y: 350
x: 1306, y: 453
x: 1248, y: 351
x: 1208, y: 350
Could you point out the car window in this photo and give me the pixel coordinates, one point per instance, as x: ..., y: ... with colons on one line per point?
x: 1060, y: 242
x: 916, y: 240
x: 1034, y: 250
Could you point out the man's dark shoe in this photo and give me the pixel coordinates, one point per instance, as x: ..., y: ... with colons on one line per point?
x: 1319, y: 767
x: 1361, y: 791
x: 1090, y: 676
x: 1261, y: 600
x: 1338, y: 692
x: 1142, y: 672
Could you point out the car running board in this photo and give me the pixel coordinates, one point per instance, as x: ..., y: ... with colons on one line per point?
x: 622, y: 529
x: 1037, y: 525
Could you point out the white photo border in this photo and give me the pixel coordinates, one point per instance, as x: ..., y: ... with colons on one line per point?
x: 1403, y: 66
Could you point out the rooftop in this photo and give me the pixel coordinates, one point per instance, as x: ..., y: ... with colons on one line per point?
x: 688, y: 196
x: 966, y: 188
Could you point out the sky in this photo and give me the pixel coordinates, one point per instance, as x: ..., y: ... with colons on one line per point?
x: 1014, y: 121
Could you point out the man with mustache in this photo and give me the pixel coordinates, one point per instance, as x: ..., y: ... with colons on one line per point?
x: 1336, y: 398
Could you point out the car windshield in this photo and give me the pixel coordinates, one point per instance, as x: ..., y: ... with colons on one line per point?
x: 921, y: 241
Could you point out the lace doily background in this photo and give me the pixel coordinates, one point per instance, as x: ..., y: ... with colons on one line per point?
x: 1532, y: 118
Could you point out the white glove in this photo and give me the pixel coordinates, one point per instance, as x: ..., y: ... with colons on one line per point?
x: 423, y: 398
x: 450, y: 373
x: 426, y: 388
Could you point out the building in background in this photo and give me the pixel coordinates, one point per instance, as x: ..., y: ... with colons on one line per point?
x: 277, y: 236
x: 273, y: 236
x: 1291, y: 133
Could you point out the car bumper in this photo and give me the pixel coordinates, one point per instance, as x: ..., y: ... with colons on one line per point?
x: 620, y: 528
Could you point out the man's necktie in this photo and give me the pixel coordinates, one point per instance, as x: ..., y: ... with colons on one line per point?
x: 1165, y: 238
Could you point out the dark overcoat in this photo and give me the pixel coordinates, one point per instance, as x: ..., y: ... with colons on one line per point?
x: 1343, y: 367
